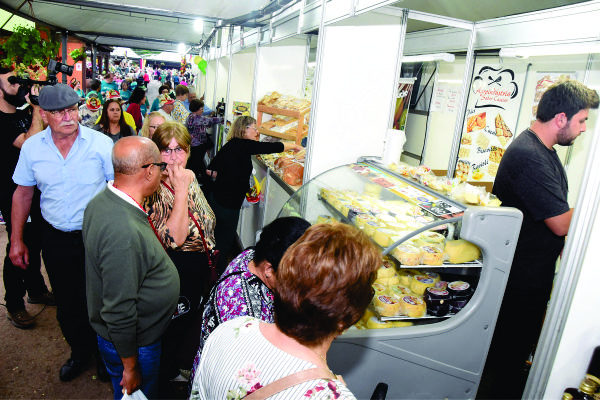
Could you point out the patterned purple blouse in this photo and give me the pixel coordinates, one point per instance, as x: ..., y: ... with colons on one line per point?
x: 240, y: 293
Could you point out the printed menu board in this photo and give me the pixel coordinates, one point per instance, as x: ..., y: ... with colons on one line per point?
x: 490, y: 120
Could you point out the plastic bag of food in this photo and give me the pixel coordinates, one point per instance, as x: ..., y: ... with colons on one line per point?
x: 293, y: 173
x: 468, y: 193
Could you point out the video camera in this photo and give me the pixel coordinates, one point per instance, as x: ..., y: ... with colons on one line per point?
x: 26, y: 84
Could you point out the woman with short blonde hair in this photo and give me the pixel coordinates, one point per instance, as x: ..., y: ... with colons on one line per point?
x: 182, y: 217
x: 231, y: 168
x: 151, y: 122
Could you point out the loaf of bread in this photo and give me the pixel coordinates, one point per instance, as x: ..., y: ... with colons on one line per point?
x: 293, y: 173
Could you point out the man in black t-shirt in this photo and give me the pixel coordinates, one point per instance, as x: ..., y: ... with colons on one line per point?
x: 531, y: 178
x: 16, y: 127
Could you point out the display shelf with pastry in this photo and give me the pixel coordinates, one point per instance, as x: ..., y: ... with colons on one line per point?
x: 290, y: 117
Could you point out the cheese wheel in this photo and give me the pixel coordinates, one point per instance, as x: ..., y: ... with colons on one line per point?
x: 371, y: 226
x: 431, y: 255
x: 393, y: 280
x: 386, y: 306
x: 362, y: 219
x: 460, y: 251
x: 405, y: 276
x: 421, y: 282
x: 379, y: 288
x: 441, y: 285
x: 375, y: 323
x: 412, y: 306
x: 433, y: 275
x: 431, y: 239
x: 399, y: 290
x: 407, y: 254
x: 386, y: 271
x: 383, y: 236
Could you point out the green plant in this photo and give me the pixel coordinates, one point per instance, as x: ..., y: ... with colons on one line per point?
x: 25, y: 48
x: 78, y: 54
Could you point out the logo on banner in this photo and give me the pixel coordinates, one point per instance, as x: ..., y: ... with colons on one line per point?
x: 494, y: 87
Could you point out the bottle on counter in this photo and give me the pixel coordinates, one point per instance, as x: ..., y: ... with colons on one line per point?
x: 590, y: 383
x: 586, y: 390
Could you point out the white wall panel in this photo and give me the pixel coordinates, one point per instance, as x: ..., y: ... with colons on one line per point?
x: 354, y: 94
x: 242, y: 78
x: 281, y: 67
x: 211, y: 77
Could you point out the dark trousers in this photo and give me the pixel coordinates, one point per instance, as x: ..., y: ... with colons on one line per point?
x: 182, y: 338
x: 17, y: 281
x: 196, y: 162
x: 517, y: 331
x: 225, y: 230
x: 64, y: 258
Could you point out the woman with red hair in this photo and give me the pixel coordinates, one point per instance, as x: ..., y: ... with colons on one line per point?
x: 323, y: 287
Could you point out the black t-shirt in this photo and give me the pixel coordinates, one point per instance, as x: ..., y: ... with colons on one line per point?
x: 531, y: 178
x: 11, y: 126
x: 233, y: 164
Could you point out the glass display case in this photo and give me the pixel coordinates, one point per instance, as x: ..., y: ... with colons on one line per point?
x: 438, y: 291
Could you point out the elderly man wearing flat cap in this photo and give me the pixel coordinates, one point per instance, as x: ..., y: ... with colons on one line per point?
x: 70, y: 164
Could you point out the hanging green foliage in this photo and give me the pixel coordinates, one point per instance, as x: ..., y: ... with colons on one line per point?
x: 25, y: 48
x: 78, y: 54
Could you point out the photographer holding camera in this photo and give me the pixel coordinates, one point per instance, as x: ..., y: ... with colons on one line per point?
x: 17, y: 126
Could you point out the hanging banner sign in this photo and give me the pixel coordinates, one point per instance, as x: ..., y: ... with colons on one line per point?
x: 490, y: 121
x: 405, y: 87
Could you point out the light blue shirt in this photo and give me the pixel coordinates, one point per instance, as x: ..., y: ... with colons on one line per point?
x: 67, y: 185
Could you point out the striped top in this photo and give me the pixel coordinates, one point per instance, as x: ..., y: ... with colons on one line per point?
x: 237, y: 360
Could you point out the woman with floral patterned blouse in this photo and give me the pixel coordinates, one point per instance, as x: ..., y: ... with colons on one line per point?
x: 169, y: 210
x: 245, y: 286
x: 323, y: 287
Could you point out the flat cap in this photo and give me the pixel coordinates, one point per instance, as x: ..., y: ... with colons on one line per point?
x: 57, y: 97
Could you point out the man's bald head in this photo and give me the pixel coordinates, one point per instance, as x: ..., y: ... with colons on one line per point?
x: 131, y: 152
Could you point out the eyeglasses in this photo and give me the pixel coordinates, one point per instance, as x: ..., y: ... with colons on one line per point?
x: 62, y: 113
x: 161, y: 165
x: 252, y: 127
x: 176, y: 150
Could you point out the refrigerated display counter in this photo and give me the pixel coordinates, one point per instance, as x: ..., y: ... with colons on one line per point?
x: 434, y: 344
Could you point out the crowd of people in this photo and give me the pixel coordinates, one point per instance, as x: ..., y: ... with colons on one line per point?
x: 110, y: 189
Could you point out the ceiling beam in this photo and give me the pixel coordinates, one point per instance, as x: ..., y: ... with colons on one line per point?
x: 132, y: 9
x: 142, y: 39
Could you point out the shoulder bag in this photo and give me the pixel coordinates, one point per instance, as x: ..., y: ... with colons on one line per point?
x: 289, y: 381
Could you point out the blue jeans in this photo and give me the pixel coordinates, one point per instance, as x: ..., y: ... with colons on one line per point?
x: 148, y: 361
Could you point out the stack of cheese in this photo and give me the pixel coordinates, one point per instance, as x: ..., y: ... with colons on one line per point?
x: 388, y: 222
x: 400, y: 293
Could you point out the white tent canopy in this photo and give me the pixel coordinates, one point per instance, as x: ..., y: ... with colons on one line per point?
x: 124, y: 52
x: 162, y: 26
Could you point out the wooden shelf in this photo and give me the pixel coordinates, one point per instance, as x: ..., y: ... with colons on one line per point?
x: 299, y: 115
